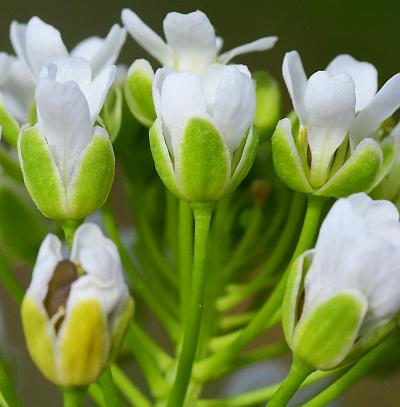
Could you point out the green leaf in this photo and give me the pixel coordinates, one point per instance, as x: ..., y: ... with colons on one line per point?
x: 41, y: 175
x: 357, y: 174
x: 203, y: 164
x: 287, y: 161
x: 325, y: 337
x: 94, y: 178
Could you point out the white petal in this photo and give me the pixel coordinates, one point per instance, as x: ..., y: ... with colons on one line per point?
x: 147, y: 38
x: 234, y: 108
x: 182, y: 98
x: 364, y: 74
x: 192, y: 37
x: 5, y: 66
x: 87, y: 48
x: 108, y: 52
x: 97, y: 254
x: 48, y: 258
x: 18, y: 90
x: 103, y: 279
x: 382, y: 106
x: 43, y: 43
x: 18, y: 41
x: 329, y: 105
x: 219, y: 41
x: 296, y: 81
x: 64, y: 118
x: 64, y: 69
x: 98, y: 89
x: 262, y: 44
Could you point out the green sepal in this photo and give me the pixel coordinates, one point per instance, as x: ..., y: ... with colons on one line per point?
x: 83, y: 344
x: 287, y: 161
x: 162, y: 160
x: 138, y: 89
x: 41, y: 176
x: 325, y: 337
x: 358, y: 174
x: 112, y: 111
x: 9, y: 126
x: 203, y: 165
x: 17, y: 215
x: 294, y: 288
x: 246, y: 161
x: 269, y: 102
x: 93, y: 178
x: 40, y: 338
x: 120, y: 327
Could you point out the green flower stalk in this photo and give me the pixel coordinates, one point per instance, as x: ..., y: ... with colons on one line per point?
x: 76, y: 311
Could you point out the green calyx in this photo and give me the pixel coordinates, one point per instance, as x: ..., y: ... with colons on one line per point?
x: 326, y: 336
x: 58, y: 354
x: 10, y: 127
x: 138, y: 92
x: 345, y: 176
x: 112, y: 111
x: 86, y: 191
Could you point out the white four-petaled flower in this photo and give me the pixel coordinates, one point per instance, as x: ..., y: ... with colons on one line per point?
x: 37, y: 43
x: 340, y: 101
x: 209, y: 114
x: 191, y: 43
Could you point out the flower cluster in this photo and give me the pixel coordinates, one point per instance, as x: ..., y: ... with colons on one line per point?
x: 198, y: 123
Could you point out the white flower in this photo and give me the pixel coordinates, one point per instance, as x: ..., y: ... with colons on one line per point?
x: 202, y: 120
x: 338, y: 102
x: 101, y: 277
x: 358, y: 251
x: 65, y: 147
x: 69, y: 100
x: 76, y: 310
x: 16, y: 87
x: 224, y: 95
x: 37, y: 43
x: 191, y: 43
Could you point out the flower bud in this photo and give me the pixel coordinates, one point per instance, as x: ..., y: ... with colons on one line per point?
x: 334, y: 153
x: 67, y: 164
x: 138, y: 92
x: 268, y: 104
x: 202, y: 141
x: 342, y: 298
x: 76, y: 311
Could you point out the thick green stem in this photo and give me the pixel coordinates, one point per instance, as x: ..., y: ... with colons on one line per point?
x: 7, y: 389
x: 110, y: 393
x: 202, y: 216
x: 297, y: 374
x: 185, y: 254
x: 74, y: 396
x: 208, y: 367
x: 355, y: 373
x: 7, y: 278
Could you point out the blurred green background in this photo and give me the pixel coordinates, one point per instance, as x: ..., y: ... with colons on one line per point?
x: 318, y: 29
